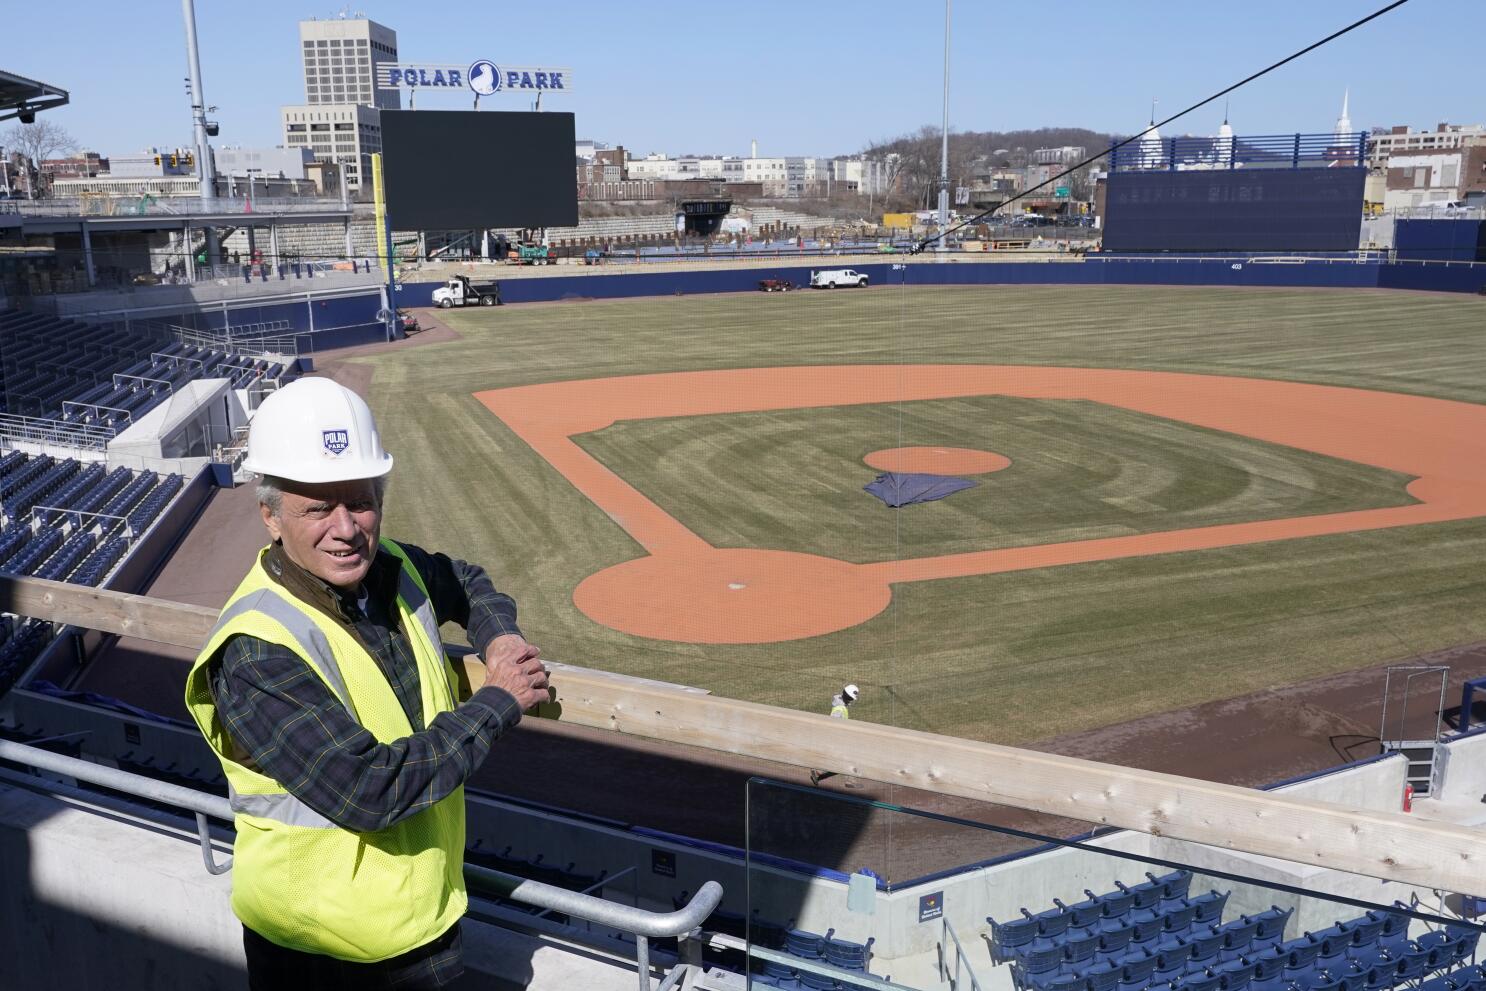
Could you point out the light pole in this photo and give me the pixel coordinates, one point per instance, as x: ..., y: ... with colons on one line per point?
x: 251, y: 173
x: 205, y: 169
x: 942, y: 244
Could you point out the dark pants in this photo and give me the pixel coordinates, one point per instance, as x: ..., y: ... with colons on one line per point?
x: 273, y: 968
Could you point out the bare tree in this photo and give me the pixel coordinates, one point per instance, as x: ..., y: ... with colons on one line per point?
x: 37, y: 142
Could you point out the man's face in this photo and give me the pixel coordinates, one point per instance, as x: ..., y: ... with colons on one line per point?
x: 330, y: 529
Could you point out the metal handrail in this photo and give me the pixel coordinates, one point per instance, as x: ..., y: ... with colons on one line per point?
x: 962, y: 960
x: 625, y: 918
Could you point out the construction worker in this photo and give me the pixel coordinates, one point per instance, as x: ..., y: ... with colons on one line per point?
x: 840, y: 709
x: 840, y: 703
x: 326, y: 694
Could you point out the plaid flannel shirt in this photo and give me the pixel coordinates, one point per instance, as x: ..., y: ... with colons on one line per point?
x: 293, y: 729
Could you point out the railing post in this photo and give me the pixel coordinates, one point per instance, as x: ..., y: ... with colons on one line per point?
x: 1295, y: 155
x: 642, y: 961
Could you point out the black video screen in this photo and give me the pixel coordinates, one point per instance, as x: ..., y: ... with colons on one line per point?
x: 469, y: 170
x: 1235, y: 210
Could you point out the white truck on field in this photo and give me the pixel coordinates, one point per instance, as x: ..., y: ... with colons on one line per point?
x: 460, y: 291
x: 830, y: 278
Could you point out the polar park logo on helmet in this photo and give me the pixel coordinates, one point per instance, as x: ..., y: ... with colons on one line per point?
x: 336, y: 441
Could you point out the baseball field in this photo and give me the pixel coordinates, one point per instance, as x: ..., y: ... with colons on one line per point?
x: 1183, y: 494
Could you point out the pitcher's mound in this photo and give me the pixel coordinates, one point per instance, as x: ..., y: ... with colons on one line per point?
x: 937, y: 460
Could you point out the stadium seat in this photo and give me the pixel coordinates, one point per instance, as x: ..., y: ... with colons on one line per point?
x: 1115, y: 904
x: 1271, y: 928
x: 1103, y: 976
x: 1113, y: 942
x: 1204, y: 946
x: 1009, y: 938
x: 1269, y: 974
x: 1078, y: 952
x: 846, y: 954
x: 808, y: 945
x: 1137, y: 968
x: 1147, y: 894
x: 1197, y: 982
x: 1238, y: 937
x: 1234, y: 975
x: 1209, y: 907
x: 1081, y: 915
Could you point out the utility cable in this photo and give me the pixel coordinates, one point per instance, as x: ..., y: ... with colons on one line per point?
x: 916, y: 249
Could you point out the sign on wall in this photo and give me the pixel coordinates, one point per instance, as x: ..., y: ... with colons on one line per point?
x: 482, y: 76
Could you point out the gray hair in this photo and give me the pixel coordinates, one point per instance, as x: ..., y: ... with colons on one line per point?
x: 271, y: 491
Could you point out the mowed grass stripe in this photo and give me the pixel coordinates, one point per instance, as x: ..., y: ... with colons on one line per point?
x: 1009, y: 657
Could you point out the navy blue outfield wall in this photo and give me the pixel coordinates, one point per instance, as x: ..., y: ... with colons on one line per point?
x: 1237, y: 271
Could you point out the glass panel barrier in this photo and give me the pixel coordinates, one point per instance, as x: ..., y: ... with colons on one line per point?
x: 846, y: 892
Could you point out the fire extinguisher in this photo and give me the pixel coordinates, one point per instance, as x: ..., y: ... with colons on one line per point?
x: 1408, y: 798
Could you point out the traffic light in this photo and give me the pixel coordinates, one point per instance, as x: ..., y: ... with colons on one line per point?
x: 173, y: 162
x: 157, y: 159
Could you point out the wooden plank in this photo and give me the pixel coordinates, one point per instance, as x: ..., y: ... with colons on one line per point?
x: 1379, y: 844
x: 156, y: 620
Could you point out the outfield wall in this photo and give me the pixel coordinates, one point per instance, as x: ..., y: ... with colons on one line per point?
x: 1320, y: 274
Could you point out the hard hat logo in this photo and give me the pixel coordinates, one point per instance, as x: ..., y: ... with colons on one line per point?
x: 336, y: 442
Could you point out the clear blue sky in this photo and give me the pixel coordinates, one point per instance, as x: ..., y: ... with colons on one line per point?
x: 803, y: 77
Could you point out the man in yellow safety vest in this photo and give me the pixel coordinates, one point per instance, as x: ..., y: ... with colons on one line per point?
x: 326, y: 694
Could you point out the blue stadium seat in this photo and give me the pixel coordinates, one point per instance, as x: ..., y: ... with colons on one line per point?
x: 802, y: 944
x: 1116, y: 904
x: 1209, y: 907
x: 1010, y: 937
x: 1172, y: 960
x: 1234, y: 975
x: 1269, y: 973
x: 1078, y: 952
x: 1081, y: 915
x: 847, y: 955
x: 1238, y: 936
x: 1272, y: 925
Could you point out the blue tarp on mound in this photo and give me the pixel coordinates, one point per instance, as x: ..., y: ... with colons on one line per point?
x: 904, y: 488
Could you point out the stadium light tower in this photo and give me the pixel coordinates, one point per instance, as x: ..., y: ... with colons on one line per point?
x: 942, y: 244
x: 205, y: 170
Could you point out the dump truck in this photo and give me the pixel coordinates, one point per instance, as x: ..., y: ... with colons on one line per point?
x: 460, y: 291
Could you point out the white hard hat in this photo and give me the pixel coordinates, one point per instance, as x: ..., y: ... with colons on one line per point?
x: 315, y: 430
x: 850, y: 693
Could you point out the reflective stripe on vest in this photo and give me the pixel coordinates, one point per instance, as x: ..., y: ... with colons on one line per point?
x: 282, y: 807
x: 313, y: 646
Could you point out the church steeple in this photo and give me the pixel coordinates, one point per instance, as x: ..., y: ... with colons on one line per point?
x: 1343, y: 129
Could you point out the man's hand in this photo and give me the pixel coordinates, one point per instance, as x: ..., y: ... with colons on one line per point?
x: 511, y: 664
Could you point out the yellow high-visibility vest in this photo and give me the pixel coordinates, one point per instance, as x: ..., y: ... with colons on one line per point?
x: 840, y: 711
x: 298, y: 879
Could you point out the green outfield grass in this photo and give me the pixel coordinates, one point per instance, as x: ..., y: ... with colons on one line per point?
x: 1010, y: 657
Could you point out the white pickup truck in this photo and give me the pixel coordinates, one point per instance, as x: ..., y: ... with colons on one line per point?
x: 830, y: 278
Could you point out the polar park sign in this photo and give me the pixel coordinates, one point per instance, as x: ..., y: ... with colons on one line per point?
x: 482, y: 77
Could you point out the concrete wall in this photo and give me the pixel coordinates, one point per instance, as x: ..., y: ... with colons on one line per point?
x: 1463, y: 771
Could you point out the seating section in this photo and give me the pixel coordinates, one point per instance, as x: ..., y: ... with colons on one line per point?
x: 806, y: 947
x: 104, y: 375
x: 1158, y: 936
x: 65, y: 520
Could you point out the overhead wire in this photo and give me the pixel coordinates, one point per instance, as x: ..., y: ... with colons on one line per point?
x: 931, y: 239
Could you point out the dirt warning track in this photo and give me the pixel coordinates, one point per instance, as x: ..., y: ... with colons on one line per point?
x: 687, y: 590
